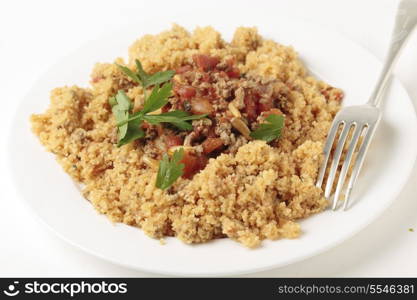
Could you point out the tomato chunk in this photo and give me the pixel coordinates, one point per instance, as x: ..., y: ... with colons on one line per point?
x: 166, y: 107
x: 205, y: 62
x: 273, y: 111
x: 250, y: 106
x: 145, y: 125
x: 264, y: 106
x: 233, y: 73
x: 183, y: 69
x: 206, y: 78
x: 173, y: 140
x: 159, y: 129
x: 193, y: 164
x: 211, y: 144
x: 186, y: 92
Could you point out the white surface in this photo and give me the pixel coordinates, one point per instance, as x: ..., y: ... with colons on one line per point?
x: 34, y: 37
x: 58, y: 202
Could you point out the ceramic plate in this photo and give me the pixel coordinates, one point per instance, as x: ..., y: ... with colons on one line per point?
x: 54, y: 197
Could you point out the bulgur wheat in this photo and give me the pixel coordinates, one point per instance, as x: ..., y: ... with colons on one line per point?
x: 251, y: 192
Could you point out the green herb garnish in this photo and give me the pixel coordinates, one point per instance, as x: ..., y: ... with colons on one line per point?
x: 145, y: 79
x: 129, y: 131
x: 178, y: 118
x: 158, y: 98
x: 154, y: 79
x: 129, y: 123
x: 169, y: 170
x: 133, y: 132
x: 271, y: 130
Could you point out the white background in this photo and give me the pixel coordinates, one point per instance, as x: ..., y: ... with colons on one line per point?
x: 35, y: 34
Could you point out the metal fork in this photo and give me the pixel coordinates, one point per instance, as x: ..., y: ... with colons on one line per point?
x: 362, y: 120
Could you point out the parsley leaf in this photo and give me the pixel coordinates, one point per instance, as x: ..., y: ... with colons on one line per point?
x: 177, y: 118
x: 145, y: 79
x: 158, y: 98
x: 129, y: 123
x: 179, y: 114
x: 159, y: 77
x: 121, y: 105
x: 170, y: 171
x: 155, y: 79
x: 123, y: 101
x: 141, y: 72
x: 133, y: 132
x: 129, y: 73
x: 120, y: 116
x: 112, y: 101
x: 271, y: 130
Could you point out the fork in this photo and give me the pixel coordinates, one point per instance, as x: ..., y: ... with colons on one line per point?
x: 362, y: 120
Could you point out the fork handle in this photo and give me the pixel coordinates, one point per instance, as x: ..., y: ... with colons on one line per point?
x: 405, y: 21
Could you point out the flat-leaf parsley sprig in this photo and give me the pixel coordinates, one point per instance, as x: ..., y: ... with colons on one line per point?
x: 178, y: 118
x: 129, y: 123
x: 170, y: 170
x: 145, y: 79
x: 129, y: 131
x: 270, y: 130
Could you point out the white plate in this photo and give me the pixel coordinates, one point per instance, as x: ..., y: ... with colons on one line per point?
x: 56, y: 200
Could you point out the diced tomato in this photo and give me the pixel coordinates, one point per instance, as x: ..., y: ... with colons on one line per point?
x: 205, y: 62
x: 211, y: 144
x: 250, y: 105
x: 212, y: 132
x: 186, y: 92
x: 193, y: 164
x: 264, y: 106
x: 273, y: 111
x: 230, y: 62
x: 202, y: 162
x: 204, y: 92
x: 223, y: 74
x: 173, y: 140
x: 166, y: 107
x: 145, y: 125
x: 233, y: 73
x: 201, y: 106
x: 206, y: 77
x: 224, y: 119
x: 183, y: 69
x: 160, y: 129
x: 176, y: 88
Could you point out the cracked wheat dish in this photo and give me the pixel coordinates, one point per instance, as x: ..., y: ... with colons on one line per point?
x: 197, y: 138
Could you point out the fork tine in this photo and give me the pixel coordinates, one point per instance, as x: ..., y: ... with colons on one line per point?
x: 336, y: 159
x: 358, y: 164
x: 352, y: 146
x: 326, y: 151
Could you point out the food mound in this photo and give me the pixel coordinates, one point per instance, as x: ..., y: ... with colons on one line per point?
x: 197, y: 138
